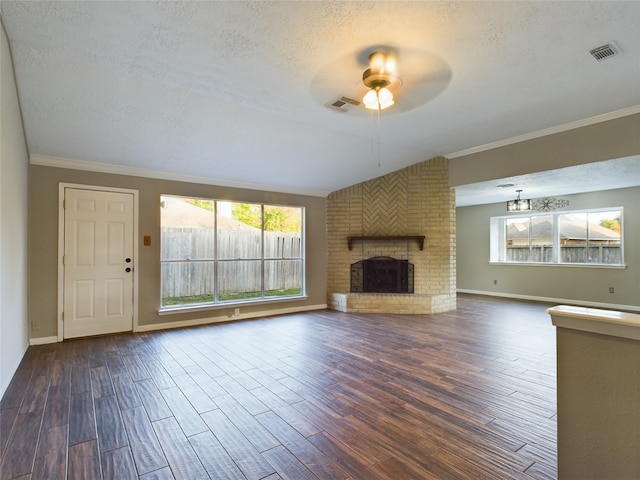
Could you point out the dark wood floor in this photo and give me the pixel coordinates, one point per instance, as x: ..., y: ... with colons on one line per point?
x: 324, y: 395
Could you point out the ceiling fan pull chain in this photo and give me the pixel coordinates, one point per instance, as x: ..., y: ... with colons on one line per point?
x: 372, y: 129
x: 379, y: 154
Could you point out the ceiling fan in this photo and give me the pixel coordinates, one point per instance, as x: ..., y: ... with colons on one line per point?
x: 379, y: 77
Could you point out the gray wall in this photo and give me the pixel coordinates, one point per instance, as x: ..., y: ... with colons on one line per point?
x: 607, y: 140
x: 14, y: 163
x: 581, y: 285
x: 43, y: 248
x: 598, y: 398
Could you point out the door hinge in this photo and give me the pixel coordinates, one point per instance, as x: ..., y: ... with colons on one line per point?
x: 63, y: 316
x: 64, y: 260
x: 64, y: 204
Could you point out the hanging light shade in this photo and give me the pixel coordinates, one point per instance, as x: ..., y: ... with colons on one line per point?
x: 385, y: 98
x: 519, y: 205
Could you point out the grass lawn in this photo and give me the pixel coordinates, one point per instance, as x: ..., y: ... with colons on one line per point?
x: 228, y: 297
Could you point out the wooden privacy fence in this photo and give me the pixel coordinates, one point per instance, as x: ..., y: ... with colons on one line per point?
x: 605, y: 254
x: 188, y: 254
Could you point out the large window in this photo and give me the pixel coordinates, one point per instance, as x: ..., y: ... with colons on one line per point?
x: 217, y: 252
x: 591, y: 237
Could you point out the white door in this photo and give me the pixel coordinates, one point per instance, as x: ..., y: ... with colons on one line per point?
x: 98, y: 262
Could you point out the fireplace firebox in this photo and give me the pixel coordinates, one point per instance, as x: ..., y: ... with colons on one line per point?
x: 382, y: 275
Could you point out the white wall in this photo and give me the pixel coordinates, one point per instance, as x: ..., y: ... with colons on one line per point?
x: 588, y: 286
x: 14, y: 169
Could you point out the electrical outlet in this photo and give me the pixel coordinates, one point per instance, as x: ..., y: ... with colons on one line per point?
x: 495, y: 282
x: 611, y: 290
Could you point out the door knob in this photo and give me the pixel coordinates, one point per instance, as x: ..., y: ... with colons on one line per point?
x: 128, y: 260
x: 128, y: 269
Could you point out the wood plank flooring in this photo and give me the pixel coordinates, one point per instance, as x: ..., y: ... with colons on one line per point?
x: 468, y: 394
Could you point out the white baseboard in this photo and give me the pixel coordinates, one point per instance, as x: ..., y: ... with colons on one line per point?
x: 242, y: 316
x: 563, y: 301
x: 43, y: 340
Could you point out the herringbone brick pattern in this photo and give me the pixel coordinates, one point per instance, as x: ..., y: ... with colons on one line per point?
x: 386, y: 201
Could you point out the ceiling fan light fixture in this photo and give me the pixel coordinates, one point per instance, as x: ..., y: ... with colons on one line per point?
x: 378, y: 99
x: 379, y: 75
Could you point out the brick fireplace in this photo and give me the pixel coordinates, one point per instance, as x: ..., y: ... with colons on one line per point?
x: 386, y: 215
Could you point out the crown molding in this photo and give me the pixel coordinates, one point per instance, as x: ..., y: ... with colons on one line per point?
x: 73, y: 164
x: 548, y: 131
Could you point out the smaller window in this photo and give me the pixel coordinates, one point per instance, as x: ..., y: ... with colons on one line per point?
x: 530, y: 239
x: 591, y: 237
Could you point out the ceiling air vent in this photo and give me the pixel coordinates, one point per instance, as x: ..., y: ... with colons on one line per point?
x: 343, y: 104
x: 605, y: 51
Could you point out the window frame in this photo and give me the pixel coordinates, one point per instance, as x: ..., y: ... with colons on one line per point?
x: 217, y: 261
x: 498, y: 239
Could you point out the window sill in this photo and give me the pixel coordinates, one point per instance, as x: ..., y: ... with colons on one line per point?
x: 571, y: 265
x: 221, y: 306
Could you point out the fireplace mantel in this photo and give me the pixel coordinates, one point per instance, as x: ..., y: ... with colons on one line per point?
x: 418, y: 238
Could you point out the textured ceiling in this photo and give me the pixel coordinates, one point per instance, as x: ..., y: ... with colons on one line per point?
x: 236, y: 92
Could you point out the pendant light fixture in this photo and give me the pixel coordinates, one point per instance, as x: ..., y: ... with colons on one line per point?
x: 519, y: 205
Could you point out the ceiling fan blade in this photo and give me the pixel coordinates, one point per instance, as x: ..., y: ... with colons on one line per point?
x: 417, y: 90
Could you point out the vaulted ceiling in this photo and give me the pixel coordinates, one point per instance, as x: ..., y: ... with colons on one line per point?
x: 239, y: 93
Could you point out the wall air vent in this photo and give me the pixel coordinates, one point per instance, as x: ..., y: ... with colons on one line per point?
x: 343, y: 104
x: 603, y: 52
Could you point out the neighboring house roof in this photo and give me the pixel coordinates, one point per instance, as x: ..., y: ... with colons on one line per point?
x: 571, y: 227
x: 178, y: 213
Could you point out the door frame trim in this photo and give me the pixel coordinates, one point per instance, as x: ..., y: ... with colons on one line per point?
x: 97, y: 188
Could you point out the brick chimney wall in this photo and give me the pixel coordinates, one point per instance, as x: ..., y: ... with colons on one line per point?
x: 416, y: 200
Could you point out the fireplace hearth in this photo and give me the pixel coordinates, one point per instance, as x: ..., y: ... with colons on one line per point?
x: 382, y: 275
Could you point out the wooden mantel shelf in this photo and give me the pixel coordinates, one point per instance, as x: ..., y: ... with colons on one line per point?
x: 418, y: 238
